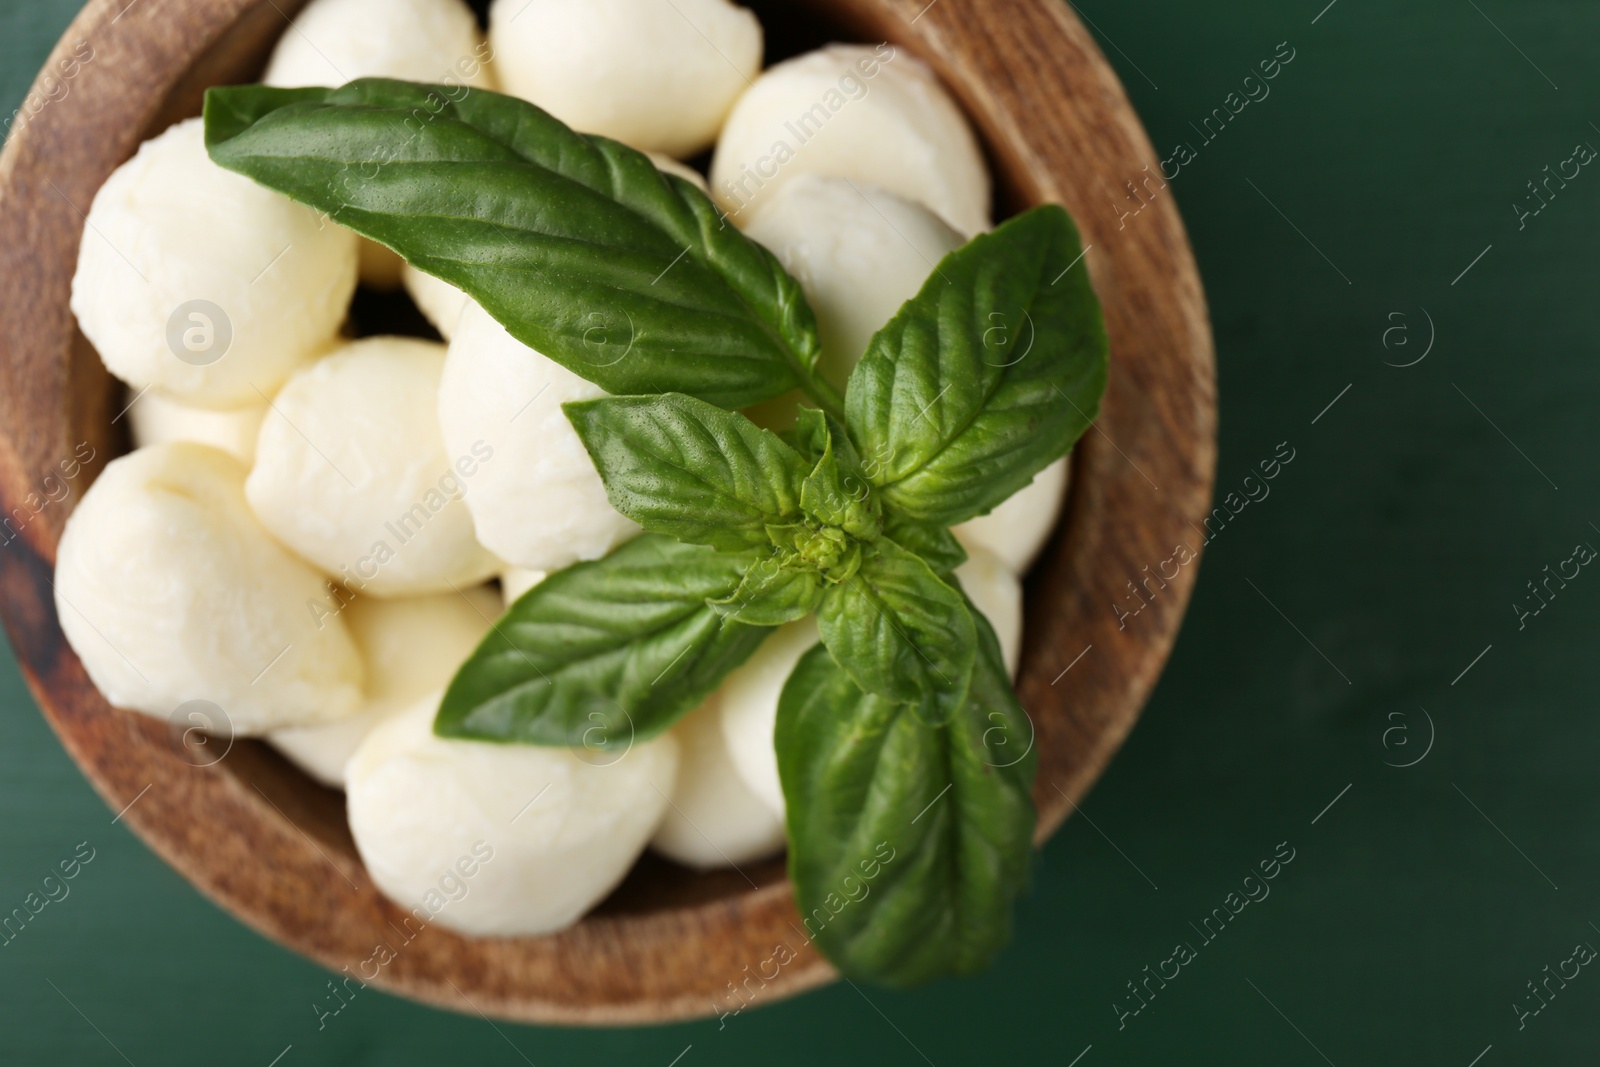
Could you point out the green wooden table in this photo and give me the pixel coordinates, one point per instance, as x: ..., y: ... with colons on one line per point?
x: 1362, y: 683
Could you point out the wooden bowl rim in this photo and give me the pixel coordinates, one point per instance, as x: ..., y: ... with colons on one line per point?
x: 520, y: 979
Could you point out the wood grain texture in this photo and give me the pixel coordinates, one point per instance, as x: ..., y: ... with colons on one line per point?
x: 272, y: 848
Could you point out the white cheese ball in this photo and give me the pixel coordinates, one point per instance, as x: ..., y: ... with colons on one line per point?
x: 156, y: 419
x: 750, y: 708
x: 515, y: 581
x: 410, y: 647
x: 202, y: 283
x: 332, y: 42
x: 714, y: 819
x: 169, y: 590
x: 440, y: 302
x: 997, y: 593
x: 540, y: 504
x: 660, y: 76
x: 351, y: 472
x: 867, y: 113
x: 1017, y: 529
x: 560, y: 831
x: 858, y: 252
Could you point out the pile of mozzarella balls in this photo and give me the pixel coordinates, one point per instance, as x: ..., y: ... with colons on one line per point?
x: 315, y: 531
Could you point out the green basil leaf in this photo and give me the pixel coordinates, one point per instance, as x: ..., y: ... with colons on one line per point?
x: 900, y: 632
x: 934, y: 543
x: 810, y: 433
x: 836, y: 492
x: 773, y: 594
x: 986, y: 376
x: 578, y: 245
x: 230, y: 112
x: 688, y: 469
x: 604, y: 653
x: 907, y: 843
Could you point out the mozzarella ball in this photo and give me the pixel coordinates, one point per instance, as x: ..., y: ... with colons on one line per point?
x: 516, y: 581
x: 440, y: 302
x: 857, y: 251
x: 410, y: 647
x: 714, y: 819
x: 551, y: 832
x: 997, y: 592
x: 540, y: 504
x: 867, y: 113
x: 202, y: 283
x: 658, y: 76
x: 1017, y: 529
x: 750, y: 708
x: 332, y: 42
x: 156, y: 419
x: 351, y: 472
x: 169, y: 590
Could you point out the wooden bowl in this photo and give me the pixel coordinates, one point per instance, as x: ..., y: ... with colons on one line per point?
x: 261, y: 840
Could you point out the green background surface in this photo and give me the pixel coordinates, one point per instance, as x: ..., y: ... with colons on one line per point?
x: 1416, y: 509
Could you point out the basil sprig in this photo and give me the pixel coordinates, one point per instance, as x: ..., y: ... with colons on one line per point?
x: 683, y: 468
x: 901, y: 747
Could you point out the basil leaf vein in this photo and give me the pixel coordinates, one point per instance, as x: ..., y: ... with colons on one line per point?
x: 688, y: 469
x: 605, y: 653
x: 934, y: 543
x: 772, y: 594
x: 985, y: 377
x: 901, y: 632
